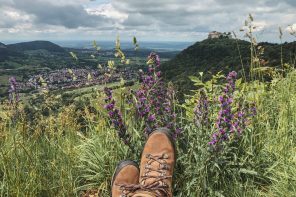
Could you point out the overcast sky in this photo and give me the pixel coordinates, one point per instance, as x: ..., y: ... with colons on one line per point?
x: 162, y: 20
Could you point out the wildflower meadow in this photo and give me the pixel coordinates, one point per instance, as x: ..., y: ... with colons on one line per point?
x: 235, y: 132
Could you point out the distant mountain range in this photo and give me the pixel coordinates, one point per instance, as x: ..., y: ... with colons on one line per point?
x: 18, y: 49
x: 109, y: 45
x: 166, y: 49
x: 214, y: 55
x: 36, y: 45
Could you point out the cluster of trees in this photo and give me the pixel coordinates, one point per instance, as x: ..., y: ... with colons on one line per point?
x: 213, y: 55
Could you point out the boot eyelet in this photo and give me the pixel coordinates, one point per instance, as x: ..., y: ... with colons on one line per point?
x: 165, y: 156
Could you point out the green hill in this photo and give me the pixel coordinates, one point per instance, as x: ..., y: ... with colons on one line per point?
x: 16, y: 51
x: 214, y: 55
x: 36, y: 45
x: 6, y: 52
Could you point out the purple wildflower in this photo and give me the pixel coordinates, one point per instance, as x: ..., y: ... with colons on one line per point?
x: 253, y: 109
x: 13, y: 91
x: 169, y: 111
x: 178, y: 131
x: 230, y: 86
x: 243, y: 117
x: 154, y: 59
x: 151, y: 118
x: 116, y: 117
x: 225, y: 115
x: 154, y: 102
x: 201, y: 110
x: 240, y: 120
x: 231, y: 122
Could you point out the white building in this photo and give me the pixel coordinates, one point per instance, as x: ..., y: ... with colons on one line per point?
x: 216, y: 34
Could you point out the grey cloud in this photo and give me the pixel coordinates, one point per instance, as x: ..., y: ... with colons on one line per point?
x: 149, y: 17
x: 5, y: 2
x: 6, y: 22
x: 137, y: 19
x: 291, y: 2
x: 224, y: 15
x: 175, y: 13
x: 70, y: 16
x: 11, y: 18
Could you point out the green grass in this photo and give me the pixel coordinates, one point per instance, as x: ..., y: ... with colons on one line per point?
x: 53, y: 158
x: 266, y: 154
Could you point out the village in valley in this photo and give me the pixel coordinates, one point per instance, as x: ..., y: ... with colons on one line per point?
x: 85, y: 72
x: 74, y: 78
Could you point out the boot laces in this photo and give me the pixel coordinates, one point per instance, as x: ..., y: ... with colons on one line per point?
x: 157, y: 184
x: 127, y: 190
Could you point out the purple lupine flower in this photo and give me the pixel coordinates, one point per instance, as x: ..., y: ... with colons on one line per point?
x: 243, y: 117
x: 169, y: 111
x: 129, y: 96
x: 116, y: 117
x: 230, y: 86
x: 214, y: 139
x: 147, y: 96
x: 178, y: 131
x: 201, y: 110
x: 231, y: 122
x: 141, y: 105
x: 154, y: 102
x: 13, y: 90
x: 253, y: 109
x: 225, y: 115
x: 154, y: 59
x: 239, y: 122
x: 158, y: 74
x: 151, y: 69
x: 151, y: 118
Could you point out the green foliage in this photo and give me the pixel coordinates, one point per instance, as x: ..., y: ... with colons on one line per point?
x: 135, y: 43
x: 214, y: 55
x: 73, y: 55
x: 96, y: 46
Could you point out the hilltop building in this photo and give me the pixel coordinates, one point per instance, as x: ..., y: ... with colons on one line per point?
x: 216, y: 34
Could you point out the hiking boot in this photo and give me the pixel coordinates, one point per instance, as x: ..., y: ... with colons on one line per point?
x: 125, y: 177
x: 157, y: 165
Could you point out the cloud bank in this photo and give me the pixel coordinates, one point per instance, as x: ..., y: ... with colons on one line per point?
x: 175, y: 20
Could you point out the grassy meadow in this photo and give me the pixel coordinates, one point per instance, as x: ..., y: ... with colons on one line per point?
x: 49, y: 148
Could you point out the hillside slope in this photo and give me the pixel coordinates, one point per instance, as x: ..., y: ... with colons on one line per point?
x: 36, y: 45
x: 214, y: 55
x: 6, y: 52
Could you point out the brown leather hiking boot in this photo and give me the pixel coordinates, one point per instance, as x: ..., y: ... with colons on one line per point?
x: 157, y: 165
x: 124, y: 178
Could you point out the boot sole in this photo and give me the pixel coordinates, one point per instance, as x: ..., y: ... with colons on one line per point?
x: 121, y: 165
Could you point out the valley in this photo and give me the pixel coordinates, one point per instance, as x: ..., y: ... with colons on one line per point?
x: 37, y: 63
